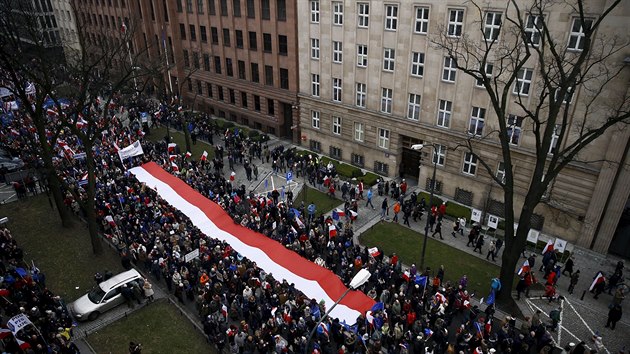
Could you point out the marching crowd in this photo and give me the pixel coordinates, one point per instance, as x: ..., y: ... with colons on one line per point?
x: 245, y: 310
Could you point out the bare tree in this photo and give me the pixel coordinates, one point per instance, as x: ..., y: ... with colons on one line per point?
x: 91, y: 79
x: 590, y: 64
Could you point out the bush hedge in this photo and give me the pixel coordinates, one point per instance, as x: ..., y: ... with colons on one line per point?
x: 345, y: 170
x: 453, y: 209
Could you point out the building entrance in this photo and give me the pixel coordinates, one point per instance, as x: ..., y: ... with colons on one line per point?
x: 620, y: 244
x: 410, y: 162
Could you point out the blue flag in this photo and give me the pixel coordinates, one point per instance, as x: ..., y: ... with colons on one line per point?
x: 295, y: 212
x: 315, y: 312
x: 421, y: 280
x: 266, y: 183
x: 490, y: 299
x: 335, y: 215
x: 379, y: 306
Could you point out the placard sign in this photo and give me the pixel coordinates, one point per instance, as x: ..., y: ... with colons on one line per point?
x: 560, y: 245
x: 475, y: 215
x: 191, y: 255
x: 493, y: 221
x: 532, y: 236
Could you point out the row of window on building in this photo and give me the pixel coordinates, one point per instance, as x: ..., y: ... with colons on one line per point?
x: 197, y: 6
x: 252, y: 38
x: 254, y: 68
x: 475, y: 126
x: 493, y: 21
x: 231, y: 96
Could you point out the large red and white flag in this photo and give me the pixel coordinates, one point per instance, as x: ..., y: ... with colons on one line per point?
x: 171, y: 148
x: 204, y: 156
x: 174, y: 167
x: 332, y: 231
x: 314, y: 281
x: 110, y: 220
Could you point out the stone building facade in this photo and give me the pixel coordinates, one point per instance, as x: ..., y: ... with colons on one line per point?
x: 373, y: 84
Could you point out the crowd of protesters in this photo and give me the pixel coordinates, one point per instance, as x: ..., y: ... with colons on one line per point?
x: 23, y: 291
x: 244, y: 309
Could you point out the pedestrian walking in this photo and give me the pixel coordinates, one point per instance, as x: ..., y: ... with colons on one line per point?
x: 384, y: 208
x: 369, y: 199
x: 396, y: 211
x: 148, y: 290
x: 614, y: 315
x: 491, y: 251
x: 575, y: 277
x: 478, y: 243
x: 568, y: 266
x: 438, y: 230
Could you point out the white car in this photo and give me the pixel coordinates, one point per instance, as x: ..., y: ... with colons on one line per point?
x: 103, y: 297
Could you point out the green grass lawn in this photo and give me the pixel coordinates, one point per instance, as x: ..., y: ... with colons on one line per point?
x: 322, y: 201
x: 392, y: 237
x: 159, y: 327
x: 158, y: 134
x: 63, y: 254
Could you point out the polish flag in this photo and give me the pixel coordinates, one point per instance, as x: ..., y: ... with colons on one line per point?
x: 299, y: 222
x: 171, y: 147
x: 52, y: 112
x: 341, y: 213
x: 188, y: 154
x: 174, y: 167
x: 599, y: 278
x: 353, y: 215
x: 180, y: 109
x: 110, y: 220
x: 81, y: 123
x: 406, y: 275
x: 204, y: 156
x: 440, y: 298
x: 224, y: 311
x: 271, y: 256
x: 332, y: 231
x: 524, y: 269
x: 548, y: 246
x: 172, y: 157
x: 374, y: 252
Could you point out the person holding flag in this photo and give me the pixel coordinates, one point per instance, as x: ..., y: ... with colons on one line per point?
x: 598, y: 285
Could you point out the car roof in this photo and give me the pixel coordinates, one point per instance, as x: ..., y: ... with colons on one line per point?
x: 118, y: 279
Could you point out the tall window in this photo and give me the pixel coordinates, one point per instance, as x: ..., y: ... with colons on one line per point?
x: 470, y: 163
x: 315, y: 119
x: 267, y: 42
x: 283, y: 46
x: 253, y: 41
x: 383, y: 138
x: 236, y: 8
x: 359, y: 133
x: 477, y: 121
x: 501, y: 171
x: 214, y: 33
x: 455, y: 22
x: 422, y: 20
x: 555, y: 138
x: 223, y: 7
x: 444, y: 113
x: 361, y: 94
x: 315, y: 85
x: 514, y: 124
x: 255, y: 72
x: 439, y: 154
x: 241, y: 70
x: 337, y: 13
x: 450, y: 70
x: 389, y: 58
x: 203, y: 34
x: 533, y: 26
x: 193, y: 32
x: 281, y: 10
x: 413, y: 109
x: 269, y: 75
x: 577, y: 36
x: 492, y: 26
x: 265, y: 9
x: 239, y: 38
x: 523, y: 82
x: 488, y: 69
x: 336, y: 125
x: 251, y: 9
x: 363, y: 19
x: 314, y: 11
x: 362, y: 55
x: 226, y: 37
x: 417, y: 64
x: 391, y: 17
x: 568, y: 96
x: 336, y: 89
x: 314, y: 48
x: 386, y: 100
x: 337, y: 52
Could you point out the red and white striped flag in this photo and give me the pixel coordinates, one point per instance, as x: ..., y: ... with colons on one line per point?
x: 524, y: 269
x: 110, y: 220
x: 548, y: 246
x: 374, y: 252
x: 204, y: 156
x: 188, y: 154
x: 332, y: 231
x: 406, y: 275
x: 171, y: 147
x: 52, y: 112
x: 172, y: 157
x: 174, y: 167
x: 599, y: 278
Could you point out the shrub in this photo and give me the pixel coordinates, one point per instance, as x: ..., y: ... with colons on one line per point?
x: 457, y: 210
x: 227, y: 125
x: 370, y: 178
x: 253, y: 134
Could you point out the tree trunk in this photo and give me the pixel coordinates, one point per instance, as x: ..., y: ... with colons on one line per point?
x: 186, y: 133
x: 90, y: 212
x: 54, y: 185
x: 512, y: 252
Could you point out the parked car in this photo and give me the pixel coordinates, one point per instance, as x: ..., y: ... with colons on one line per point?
x: 9, y: 162
x: 103, y: 297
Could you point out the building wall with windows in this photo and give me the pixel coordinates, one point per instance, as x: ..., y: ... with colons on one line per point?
x: 64, y: 13
x: 373, y: 67
x: 235, y: 59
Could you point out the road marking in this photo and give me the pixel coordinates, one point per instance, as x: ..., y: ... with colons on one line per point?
x: 585, y: 324
x: 560, y: 322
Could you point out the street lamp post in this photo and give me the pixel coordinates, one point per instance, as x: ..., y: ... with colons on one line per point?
x: 359, y: 279
x: 432, y: 185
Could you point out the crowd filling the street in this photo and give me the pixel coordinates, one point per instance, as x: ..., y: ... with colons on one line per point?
x: 242, y: 308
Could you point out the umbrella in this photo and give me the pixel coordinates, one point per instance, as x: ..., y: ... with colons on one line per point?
x: 21, y: 272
